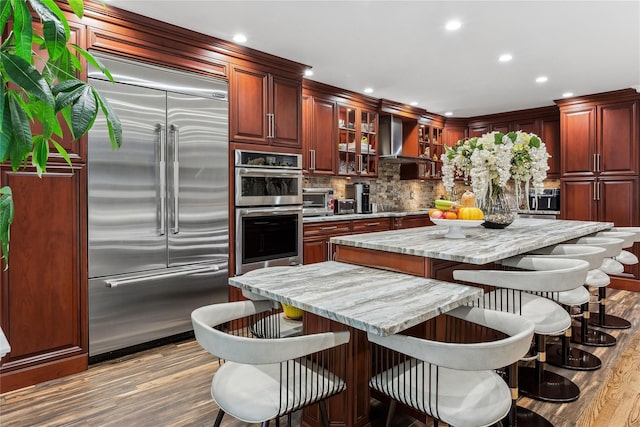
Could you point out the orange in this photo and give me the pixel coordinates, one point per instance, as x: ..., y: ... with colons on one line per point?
x: 450, y: 215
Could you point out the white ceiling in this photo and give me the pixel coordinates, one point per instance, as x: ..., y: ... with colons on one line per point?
x: 402, y: 50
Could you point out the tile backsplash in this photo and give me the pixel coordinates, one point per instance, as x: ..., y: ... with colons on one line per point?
x: 392, y: 194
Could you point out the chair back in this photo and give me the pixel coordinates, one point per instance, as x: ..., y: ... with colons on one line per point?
x: 611, y: 245
x: 634, y: 230
x: 543, y: 274
x: 627, y: 237
x: 592, y: 254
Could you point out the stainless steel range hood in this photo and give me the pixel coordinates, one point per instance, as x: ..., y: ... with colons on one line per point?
x: 390, y: 134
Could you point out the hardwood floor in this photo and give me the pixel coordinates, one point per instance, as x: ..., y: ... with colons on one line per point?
x: 169, y: 386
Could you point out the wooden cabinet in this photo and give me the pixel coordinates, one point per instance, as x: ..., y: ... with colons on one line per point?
x: 370, y: 225
x: 319, y: 135
x: 600, y: 161
x: 412, y: 221
x: 357, y: 141
x: 265, y: 108
x: 316, y: 239
x: 431, y: 147
x: 43, y: 297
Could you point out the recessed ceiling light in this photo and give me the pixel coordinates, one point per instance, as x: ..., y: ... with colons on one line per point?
x: 449, y: 113
x: 453, y: 25
x: 414, y: 103
x: 239, y: 38
x: 368, y: 90
x: 505, y: 58
x: 567, y: 94
x: 541, y: 79
x: 308, y: 72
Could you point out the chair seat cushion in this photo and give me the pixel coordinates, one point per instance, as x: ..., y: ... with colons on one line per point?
x: 577, y: 296
x: 611, y: 266
x: 464, y: 398
x: 548, y: 317
x: 627, y: 258
x: 253, y: 393
x: 597, y: 278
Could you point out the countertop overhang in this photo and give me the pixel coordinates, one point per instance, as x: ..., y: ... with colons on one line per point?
x: 377, y: 301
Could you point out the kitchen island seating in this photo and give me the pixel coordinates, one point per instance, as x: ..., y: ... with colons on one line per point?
x: 452, y: 382
x: 511, y: 293
x: 263, y: 379
x: 563, y: 355
x: 614, y: 244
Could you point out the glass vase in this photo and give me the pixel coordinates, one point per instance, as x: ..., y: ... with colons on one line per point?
x: 498, y: 207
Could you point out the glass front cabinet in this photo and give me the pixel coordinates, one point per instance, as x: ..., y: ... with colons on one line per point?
x: 357, y: 141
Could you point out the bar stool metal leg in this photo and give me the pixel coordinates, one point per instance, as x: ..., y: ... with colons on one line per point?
x: 604, y: 320
x: 519, y: 416
x: 588, y: 336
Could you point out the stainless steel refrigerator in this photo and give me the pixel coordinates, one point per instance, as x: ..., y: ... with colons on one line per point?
x: 158, y: 206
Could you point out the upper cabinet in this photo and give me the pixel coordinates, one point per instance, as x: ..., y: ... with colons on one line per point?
x: 319, y: 135
x: 357, y: 141
x: 599, y: 139
x: 265, y: 108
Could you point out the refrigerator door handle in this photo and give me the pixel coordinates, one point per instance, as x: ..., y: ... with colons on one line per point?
x: 161, y: 174
x: 175, y: 131
x: 114, y: 283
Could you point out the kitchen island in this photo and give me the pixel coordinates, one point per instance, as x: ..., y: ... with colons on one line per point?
x: 427, y: 252
x: 422, y: 252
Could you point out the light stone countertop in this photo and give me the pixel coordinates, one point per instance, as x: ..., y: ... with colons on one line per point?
x: 480, y: 246
x: 377, y: 301
x: 349, y: 217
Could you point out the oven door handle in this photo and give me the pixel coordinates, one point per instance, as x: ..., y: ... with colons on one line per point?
x: 270, y: 173
x: 270, y: 211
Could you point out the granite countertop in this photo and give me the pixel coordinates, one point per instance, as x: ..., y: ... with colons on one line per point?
x: 349, y: 217
x: 538, y: 212
x: 480, y: 246
x: 376, y: 301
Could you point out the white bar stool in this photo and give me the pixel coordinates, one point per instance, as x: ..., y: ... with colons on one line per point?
x: 609, y: 266
x: 563, y: 355
x: 511, y: 294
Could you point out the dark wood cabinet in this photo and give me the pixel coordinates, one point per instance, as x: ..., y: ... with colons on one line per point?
x: 600, y: 161
x: 412, y: 221
x: 550, y: 133
x: 319, y: 135
x: 264, y: 108
x: 43, y: 293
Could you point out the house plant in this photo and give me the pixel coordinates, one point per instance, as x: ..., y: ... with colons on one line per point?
x: 489, y: 162
x: 37, y: 38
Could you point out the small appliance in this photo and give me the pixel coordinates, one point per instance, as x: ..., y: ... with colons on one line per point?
x: 360, y: 193
x: 317, y: 201
x: 344, y: 206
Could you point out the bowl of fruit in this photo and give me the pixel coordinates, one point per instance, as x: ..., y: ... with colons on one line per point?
x: 456, y: 217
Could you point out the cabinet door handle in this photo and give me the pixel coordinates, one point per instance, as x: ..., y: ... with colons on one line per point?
x: 598, y: 190
x: 329, y: 228
x: 371, y: 224
x: 360, y: 161
x: 598, y: 162
x: 595, y: 191
x: 313, y: 159
x: 270, y: 126
x: 595, y: 167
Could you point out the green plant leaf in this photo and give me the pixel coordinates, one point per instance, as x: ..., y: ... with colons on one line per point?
x: 55, y: 30
x: 23, y: 30
x: 512, y: 136
x: 6, y: 136
x: 78, y: 7
x: 62, y: 151
x: 40, y: 154
x: 5, y: 13
x: 68, y: 92
x: 93, y: 61
x: 83, y: 112
x: 6, y: 218
x: 113, y: 121
x: 21, y: 143
x: 498, y: 138
x: 26, y: 76
x: 534, y: 142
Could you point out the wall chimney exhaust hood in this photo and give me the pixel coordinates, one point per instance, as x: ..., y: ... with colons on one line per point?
x: 390, y: 142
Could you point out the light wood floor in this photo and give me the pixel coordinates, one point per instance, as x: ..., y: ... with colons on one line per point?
x: 169, y: 386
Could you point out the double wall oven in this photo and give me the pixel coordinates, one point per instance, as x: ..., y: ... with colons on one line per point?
x: 268, y: 209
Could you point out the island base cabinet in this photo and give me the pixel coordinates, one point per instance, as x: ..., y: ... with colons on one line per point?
x: 347, y: 409
x: 43, y: 293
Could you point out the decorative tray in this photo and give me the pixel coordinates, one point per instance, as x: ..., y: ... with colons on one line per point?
x: 456, y: 225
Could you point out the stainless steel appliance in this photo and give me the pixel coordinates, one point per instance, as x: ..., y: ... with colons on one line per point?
x: 317, y: 201
x: 158, y: 207
x: 268, y: 214
x: 344, y: 206
x: 360, y: 193
x: 549, y: 200
x: 390, y: 142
